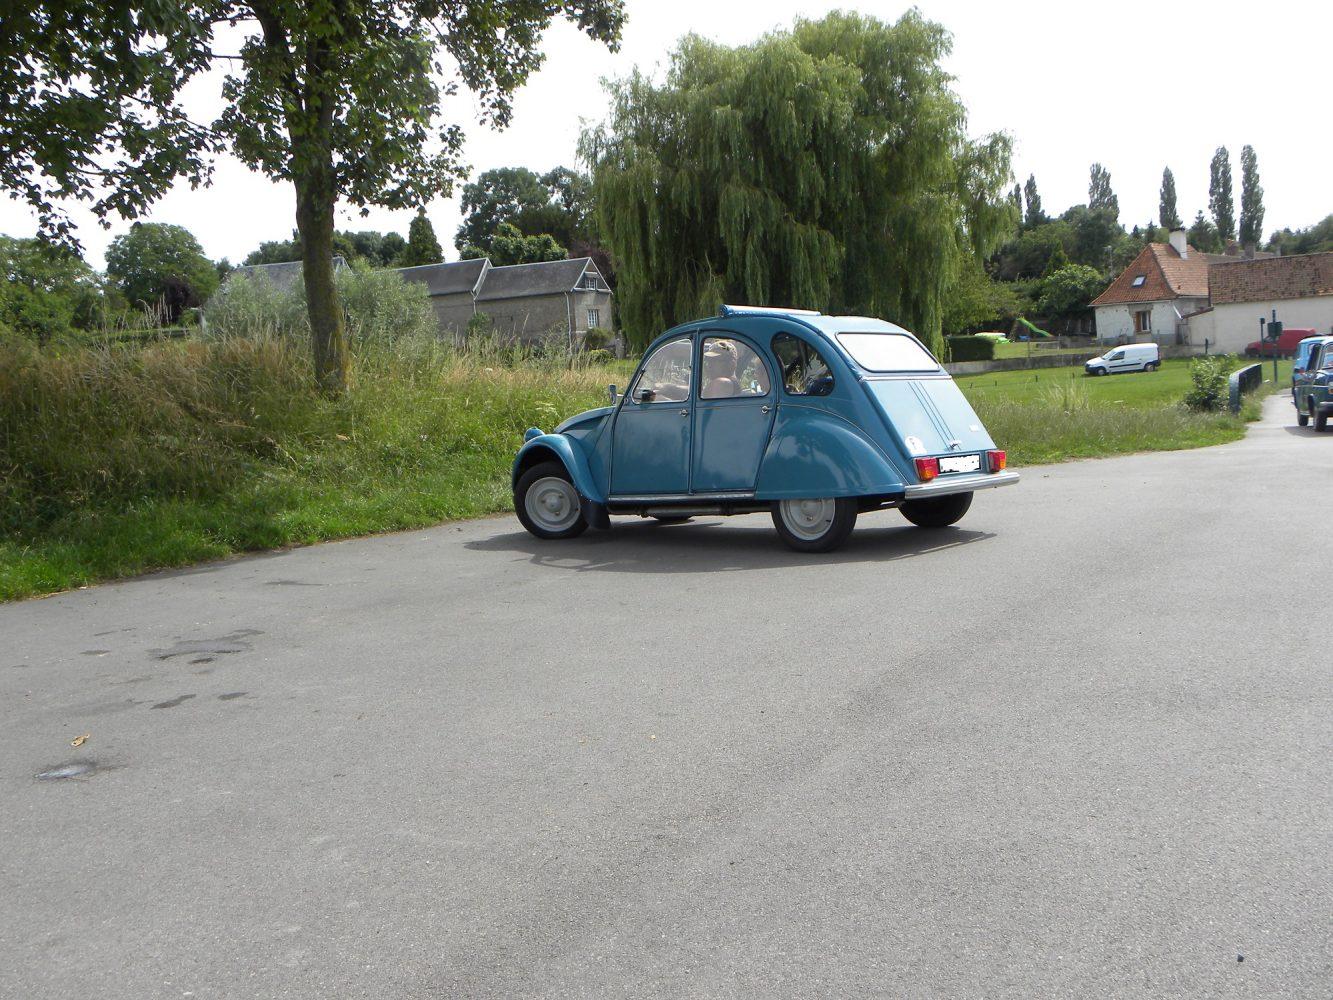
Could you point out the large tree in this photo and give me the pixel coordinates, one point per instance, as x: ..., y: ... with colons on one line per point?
x: 557, y: 203
x: 1251, y: 199
x: 826, y: 166
x: 1167, y: 213
x: 159, y: 265
x: 423, y: 247
x: 1220, y: 202
x: 1203, y: 235
x: 1100, y: 196
x: 509, y: 246
x: 339, y: 97
x: 1033, y: 216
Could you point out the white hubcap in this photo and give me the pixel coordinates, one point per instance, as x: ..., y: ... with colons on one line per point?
x: 808, y: 519
x: 552, y: 503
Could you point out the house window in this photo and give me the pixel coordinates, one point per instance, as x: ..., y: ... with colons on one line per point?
x: 590, y: 281
x: 594, y: 318
x: 1143, y: 321
x: 1138, y: 281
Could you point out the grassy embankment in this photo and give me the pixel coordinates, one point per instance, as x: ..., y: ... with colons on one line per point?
x: 120, y: 460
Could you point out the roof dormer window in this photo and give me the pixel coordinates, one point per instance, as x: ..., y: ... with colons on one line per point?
x: 1138, y: 281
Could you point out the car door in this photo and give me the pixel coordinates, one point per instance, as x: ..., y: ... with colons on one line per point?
x: 650, y: 443
x: 1115, y: 361
x: 733, y: 414
x: 1300, y: 371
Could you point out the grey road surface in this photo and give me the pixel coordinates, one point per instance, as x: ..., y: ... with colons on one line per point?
x: 1079, y: 746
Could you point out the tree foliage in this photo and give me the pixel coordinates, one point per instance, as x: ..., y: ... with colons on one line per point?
x: 1033, y: 216
x: 422, y: 245
x: 1167, y: 213
x: 825, y: 166
x: 158, y: 263
x: 1251, y: 199
x: 557, y: 203
x: 47, y: 291
x: 976, y: 302
x: 1220, y: 202
x: 375, y: 248
x: 509, y: 246
x: 342, y: 99
x: 1069, y: 290
x: 1314, y: 239
x: 1100, y: 196
x: 1203, y: 235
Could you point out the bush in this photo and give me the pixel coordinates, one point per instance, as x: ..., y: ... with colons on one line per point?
x: 600, y: 357
x: 1210, y: 390
x: 971, y: 349
x: 378, y: 307
x: 596, y: 338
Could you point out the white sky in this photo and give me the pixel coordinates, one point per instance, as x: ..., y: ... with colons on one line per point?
x: 1133, y: 85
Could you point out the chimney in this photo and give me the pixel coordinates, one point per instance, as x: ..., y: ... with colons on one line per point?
x: 1249, y: 251
x: 1178, y: 243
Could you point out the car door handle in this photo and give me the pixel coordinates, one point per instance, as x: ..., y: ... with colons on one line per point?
x: 684, y: 413
x: 765, y: 408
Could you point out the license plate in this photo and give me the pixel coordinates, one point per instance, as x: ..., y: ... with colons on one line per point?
x: 960, y: 463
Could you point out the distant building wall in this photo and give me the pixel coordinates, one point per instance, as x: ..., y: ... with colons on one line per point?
x: 1236, y: 324
x: 1115, y: 323
x: 453, y: 312
x: 533, y: 317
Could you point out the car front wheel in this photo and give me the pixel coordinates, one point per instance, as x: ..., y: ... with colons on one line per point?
x: 547, y: 504
x: 814, y: 525
x: 937, y: 513
x: 1321, y: 420
x: 1099, y: 371
x: 1302, y: 418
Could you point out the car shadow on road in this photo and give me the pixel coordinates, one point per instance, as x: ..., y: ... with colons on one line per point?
x: 706, y: 545
x: 1306, y: 432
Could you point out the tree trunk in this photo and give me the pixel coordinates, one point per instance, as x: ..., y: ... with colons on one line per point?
x: 314, y: 221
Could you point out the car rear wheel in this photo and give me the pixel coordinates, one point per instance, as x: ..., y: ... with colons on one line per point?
x: 1152, y: 366
x: 547, y: 503
x: 939, y: 512
x: 815, y: 525
x: 1321, y: 421
x: 1302, y: 418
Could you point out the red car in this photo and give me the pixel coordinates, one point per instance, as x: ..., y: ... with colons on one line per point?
x: 1283, y: 347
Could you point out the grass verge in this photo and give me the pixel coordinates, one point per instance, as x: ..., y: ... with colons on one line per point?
x: 119, y: 460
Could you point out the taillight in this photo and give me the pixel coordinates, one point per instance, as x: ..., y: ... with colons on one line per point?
x: 927, y: 469
x: 995, y: 460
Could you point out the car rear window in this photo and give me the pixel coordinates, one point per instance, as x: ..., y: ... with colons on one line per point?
x: 887, y: 352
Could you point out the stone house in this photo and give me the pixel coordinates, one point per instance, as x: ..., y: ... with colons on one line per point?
x: 521, y: 301
x: 1150, y: 299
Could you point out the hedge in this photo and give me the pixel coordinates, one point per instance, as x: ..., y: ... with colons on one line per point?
x: 971, y: 349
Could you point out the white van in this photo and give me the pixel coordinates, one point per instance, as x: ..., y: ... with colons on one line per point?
x: 1129, y: 358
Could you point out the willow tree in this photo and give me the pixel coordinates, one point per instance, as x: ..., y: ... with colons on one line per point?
x: 826, y: 166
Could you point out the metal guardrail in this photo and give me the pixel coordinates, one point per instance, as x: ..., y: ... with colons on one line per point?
x: 1243, y: 380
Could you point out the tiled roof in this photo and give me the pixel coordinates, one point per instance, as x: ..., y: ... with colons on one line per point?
x: 1166, y: 276
x: 1298, y: 277
x: 447, y: 279
x: 546, y: 278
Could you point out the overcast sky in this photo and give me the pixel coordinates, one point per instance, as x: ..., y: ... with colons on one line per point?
x: 1133, y: 85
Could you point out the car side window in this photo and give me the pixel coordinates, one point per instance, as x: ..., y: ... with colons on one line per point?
x: 1115, y: 355
x: 731, y: 368
x: 666, y: 374
x: 804, y: 370
x: 1326, y: 362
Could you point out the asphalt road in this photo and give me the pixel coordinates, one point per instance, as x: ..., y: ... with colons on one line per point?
x: 1079, y: 746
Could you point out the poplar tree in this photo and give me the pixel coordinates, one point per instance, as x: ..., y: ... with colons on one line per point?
x: 1167, y: 213
x: 1100, y: 196
x: 1251, y: 198
x: 422, y: 245
x: 827, y: 166
x: 1034, y: 216
x: 1220, y: 203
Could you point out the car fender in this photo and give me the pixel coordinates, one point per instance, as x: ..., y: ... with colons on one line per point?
x: 815, y: 453
x: 568, y: 452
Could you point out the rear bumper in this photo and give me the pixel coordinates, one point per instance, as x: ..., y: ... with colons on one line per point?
x: 960, y: 484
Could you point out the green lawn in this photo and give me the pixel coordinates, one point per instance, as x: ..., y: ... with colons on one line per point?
x: 1138, y: 389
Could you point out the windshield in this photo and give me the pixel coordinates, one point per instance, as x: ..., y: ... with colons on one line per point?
x: 887, y: 352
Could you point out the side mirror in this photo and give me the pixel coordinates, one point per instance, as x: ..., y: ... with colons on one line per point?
x: 647, y: 395
x: 611, y: 391
x: 821, y: 386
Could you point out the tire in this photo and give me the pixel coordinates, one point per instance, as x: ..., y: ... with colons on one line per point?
x: 1321, y: 421
x: 1302, y: 419
x: 1098, y: 372
x: 814, y: 525
x: 671, y: 520
x: 938, y: 513
x: 547, y: 504
x: 1151, y: 366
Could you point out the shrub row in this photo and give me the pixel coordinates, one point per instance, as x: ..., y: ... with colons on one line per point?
x: 971, y: 349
